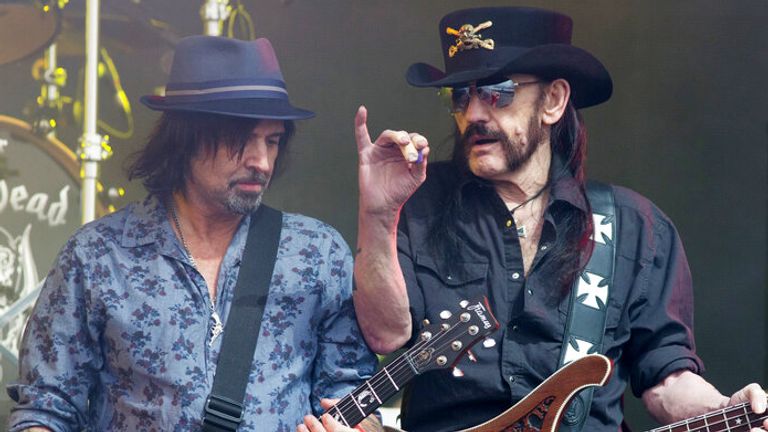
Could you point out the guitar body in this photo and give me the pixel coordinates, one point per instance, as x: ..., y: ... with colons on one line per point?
x: 543, y: 408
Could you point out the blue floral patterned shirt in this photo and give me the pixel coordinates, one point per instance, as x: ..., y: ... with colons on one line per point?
x: 119, y: 338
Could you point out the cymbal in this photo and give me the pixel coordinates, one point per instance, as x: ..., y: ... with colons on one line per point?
x: 124, y: 29
x: 26, y: 30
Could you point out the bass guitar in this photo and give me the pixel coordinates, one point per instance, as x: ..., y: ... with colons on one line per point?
x: 543, y: 408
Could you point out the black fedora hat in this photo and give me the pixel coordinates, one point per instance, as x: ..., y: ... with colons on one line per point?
x: 483, y: 43
x: 229, y: 77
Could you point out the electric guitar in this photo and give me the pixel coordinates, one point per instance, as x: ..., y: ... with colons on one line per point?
x: 440, y: 346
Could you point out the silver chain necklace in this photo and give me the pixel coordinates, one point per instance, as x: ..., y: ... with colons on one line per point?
x: 217, y: 327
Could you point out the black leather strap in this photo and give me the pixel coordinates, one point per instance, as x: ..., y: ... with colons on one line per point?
x: 587, y: 314
x: 224, y: 406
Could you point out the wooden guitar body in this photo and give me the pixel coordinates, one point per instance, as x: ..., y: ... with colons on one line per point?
x: 543, y: 408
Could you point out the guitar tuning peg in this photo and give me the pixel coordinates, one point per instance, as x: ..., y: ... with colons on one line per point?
x: 463, y: 304
x: 489, y: 343
x: 471, y: 356
x: 425, y: 322
x: 457, y: 372
x: 445, y: 314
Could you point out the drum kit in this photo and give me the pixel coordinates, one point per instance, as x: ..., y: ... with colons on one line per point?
x: 43, y: 181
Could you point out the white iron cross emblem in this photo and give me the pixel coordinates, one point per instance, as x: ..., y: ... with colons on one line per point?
x: 603, y: 228
x: 580, y: 350
x: 592, y: 290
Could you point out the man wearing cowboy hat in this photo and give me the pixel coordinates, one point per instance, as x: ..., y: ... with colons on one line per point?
x: 508, y: 218
x: 128, y: 328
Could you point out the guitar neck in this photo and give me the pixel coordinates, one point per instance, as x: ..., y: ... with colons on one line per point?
x: 440, y: 346
x: 364, y: 400
x: 731, y: 419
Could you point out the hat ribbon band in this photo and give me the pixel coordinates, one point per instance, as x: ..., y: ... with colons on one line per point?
x: 225, y: 89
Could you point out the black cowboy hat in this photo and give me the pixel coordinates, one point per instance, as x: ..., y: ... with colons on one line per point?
x: 228, y: 77
x: 484, y: 43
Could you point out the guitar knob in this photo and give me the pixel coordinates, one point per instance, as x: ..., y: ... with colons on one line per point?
x: 463, y: 304
x: 457, y: 372
x: 425, y: 322
x: 445, y: 314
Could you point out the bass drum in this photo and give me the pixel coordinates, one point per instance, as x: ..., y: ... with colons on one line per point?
x: 39, y: 210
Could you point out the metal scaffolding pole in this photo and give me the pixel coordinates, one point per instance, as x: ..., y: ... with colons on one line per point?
x: 91, y: 149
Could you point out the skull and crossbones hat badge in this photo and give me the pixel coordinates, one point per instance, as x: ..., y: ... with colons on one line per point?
x: 493, y: 42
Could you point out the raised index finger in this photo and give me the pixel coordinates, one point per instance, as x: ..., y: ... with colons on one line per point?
x: 362, y: 136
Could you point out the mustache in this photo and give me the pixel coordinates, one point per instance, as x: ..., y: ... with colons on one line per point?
x: 481, y: 129
x: 251, y: 177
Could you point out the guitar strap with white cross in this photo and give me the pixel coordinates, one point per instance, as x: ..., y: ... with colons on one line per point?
x: 588, y: 309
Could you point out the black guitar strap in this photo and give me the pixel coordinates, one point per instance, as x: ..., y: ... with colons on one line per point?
x: 588, y: 309
x: 224, y: 406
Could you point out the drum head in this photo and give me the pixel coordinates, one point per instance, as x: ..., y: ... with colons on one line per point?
x: 39, y: 211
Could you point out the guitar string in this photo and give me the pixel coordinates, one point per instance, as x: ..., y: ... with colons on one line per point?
x: 396, y: 370
x: 728, y: 428
x: 721, y: 421
x: 399, y: 367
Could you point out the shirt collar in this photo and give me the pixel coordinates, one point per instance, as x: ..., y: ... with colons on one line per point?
x: 565, y: 188
x: 148, y: 223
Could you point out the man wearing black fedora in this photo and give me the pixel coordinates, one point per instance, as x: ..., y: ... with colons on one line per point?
x: 568, y: 268
x: 145, y: 323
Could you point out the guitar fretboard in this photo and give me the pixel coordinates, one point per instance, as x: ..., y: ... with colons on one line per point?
x: 365, y: 399
x: 737, y: 418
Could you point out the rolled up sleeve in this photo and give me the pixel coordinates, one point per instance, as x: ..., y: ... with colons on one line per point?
x: 57, y: 353
x: 662, y: 339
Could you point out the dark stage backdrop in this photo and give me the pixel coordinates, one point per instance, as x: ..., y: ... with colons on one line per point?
x: 687, y: 125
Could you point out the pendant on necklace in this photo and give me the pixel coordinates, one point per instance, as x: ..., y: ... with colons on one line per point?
x: 217, y: 328
x: 521, y: 232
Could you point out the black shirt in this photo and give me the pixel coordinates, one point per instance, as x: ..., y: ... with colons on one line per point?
x: 650, y: 311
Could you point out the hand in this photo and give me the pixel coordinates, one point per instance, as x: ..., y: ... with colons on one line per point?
x: 328, y: 423
x: 386, y: 177
x: 758, y: 400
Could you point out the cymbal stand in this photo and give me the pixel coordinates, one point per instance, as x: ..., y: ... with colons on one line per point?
x: 49, y: 105
x: 93, y: 148
x: 214, y: 13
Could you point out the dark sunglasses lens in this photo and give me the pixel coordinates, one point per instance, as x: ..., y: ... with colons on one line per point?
x: 495, y: 95
x: 459, y: 99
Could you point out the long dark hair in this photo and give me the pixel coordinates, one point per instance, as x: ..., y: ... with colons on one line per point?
x: 569, y: 254
x: 164, y: 162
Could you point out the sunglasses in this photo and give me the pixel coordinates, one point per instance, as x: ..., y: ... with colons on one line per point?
x: 497, y: 95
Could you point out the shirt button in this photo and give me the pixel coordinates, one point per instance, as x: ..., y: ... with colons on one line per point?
x: 515, y: 275
x: 511, y: 378
x: 509, y: 223
x: 530, y: 292
x: 543, y: 247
